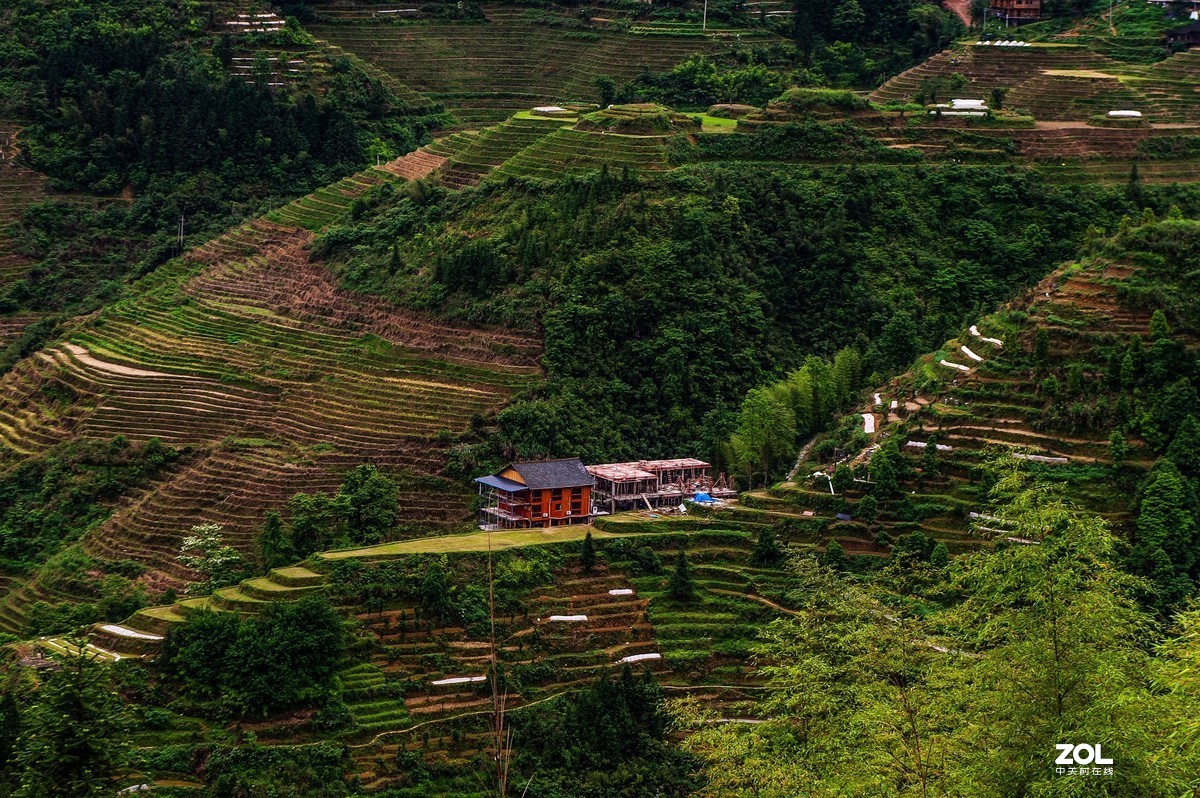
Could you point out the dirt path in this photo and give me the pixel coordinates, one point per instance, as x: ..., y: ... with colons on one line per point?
x: 759, y: 599
x: 960, y: 7
x: 800, y: 458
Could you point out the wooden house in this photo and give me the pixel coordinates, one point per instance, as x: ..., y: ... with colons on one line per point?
x: 1016, y: 11
x: 537, y: 494
x: 1186, y: 36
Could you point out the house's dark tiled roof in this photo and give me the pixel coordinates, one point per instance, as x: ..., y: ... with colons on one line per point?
x: 543, y: 474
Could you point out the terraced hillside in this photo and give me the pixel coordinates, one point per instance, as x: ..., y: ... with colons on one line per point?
x: 1056, y: 81
x: 19, y: 187
x: 989, y: 392
x: 532, y: 146
x: 486, y: 71
x: 281, y: 381
x: 422, y: 687
x: 567, y: 151
x: 471, y: 158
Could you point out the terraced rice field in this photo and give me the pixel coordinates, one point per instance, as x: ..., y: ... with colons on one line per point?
x: 998, y: 405
x: 327, y: 204
x: 1065, y: 151
x: 472, y: 158
x: 19, y: 188
x: 1057, y: 81
x: 280, y: 380
x: 484, y: 72
x: 422, y: 690
x: 1115, y: 173
x: 570, y: 151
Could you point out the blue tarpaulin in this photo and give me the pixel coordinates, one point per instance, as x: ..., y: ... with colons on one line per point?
x: 703, y: 498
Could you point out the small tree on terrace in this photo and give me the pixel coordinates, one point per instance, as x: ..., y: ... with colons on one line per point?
x: 834, y: 556
x: 843, y: 478
x: 205, y: 551
x: 316, y: 521
x: 682, y: 585
x: 867, y: 509
x: 766, y: 430
x: 1159, y: 327
x: 1118, y: 449
x: 587, y: 557
x: 1041, y: 348
x: 767, y: 550
x: 368, y: 501
x: 607, y: 88
x: 275, y: 542
x: 885, y: 468
x: 73, y: 737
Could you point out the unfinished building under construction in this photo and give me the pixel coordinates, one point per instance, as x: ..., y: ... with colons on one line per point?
x: 655, y: 483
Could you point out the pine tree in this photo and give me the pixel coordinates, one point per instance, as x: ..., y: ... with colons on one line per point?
x: 929, y: 458
x: 434, y: 593
x: 275, y: 542
x: 885, y: 468
x: 587, y: 557
x: 834, y: 556
x: 682, y: 585
x: 940, y: 556
x: 1184, y: 450
x: 1159, y: 328
x: 766, y: 549
x: 1118, y: 449
x: 1133, y: 188
x: 73, y: 740
x: 1041, y: 348
x: 1164, y: 548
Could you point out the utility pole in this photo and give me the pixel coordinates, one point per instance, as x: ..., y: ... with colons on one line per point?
x: 704, y: 20
x: 179, y: 245
x: 501, y: 736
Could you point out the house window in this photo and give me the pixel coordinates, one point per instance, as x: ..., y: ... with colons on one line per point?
x: 558, y: 508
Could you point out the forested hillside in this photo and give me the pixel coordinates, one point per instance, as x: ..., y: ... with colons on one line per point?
x: 663, y: 304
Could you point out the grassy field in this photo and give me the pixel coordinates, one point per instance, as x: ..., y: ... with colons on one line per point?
x: 476, y: 541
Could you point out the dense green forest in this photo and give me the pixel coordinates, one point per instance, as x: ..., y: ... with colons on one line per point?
x: 663, y: 303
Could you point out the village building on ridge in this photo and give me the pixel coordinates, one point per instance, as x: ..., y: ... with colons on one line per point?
x: 549, y: 493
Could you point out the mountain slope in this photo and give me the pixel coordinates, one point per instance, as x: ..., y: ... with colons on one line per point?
x: 278, y: 381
